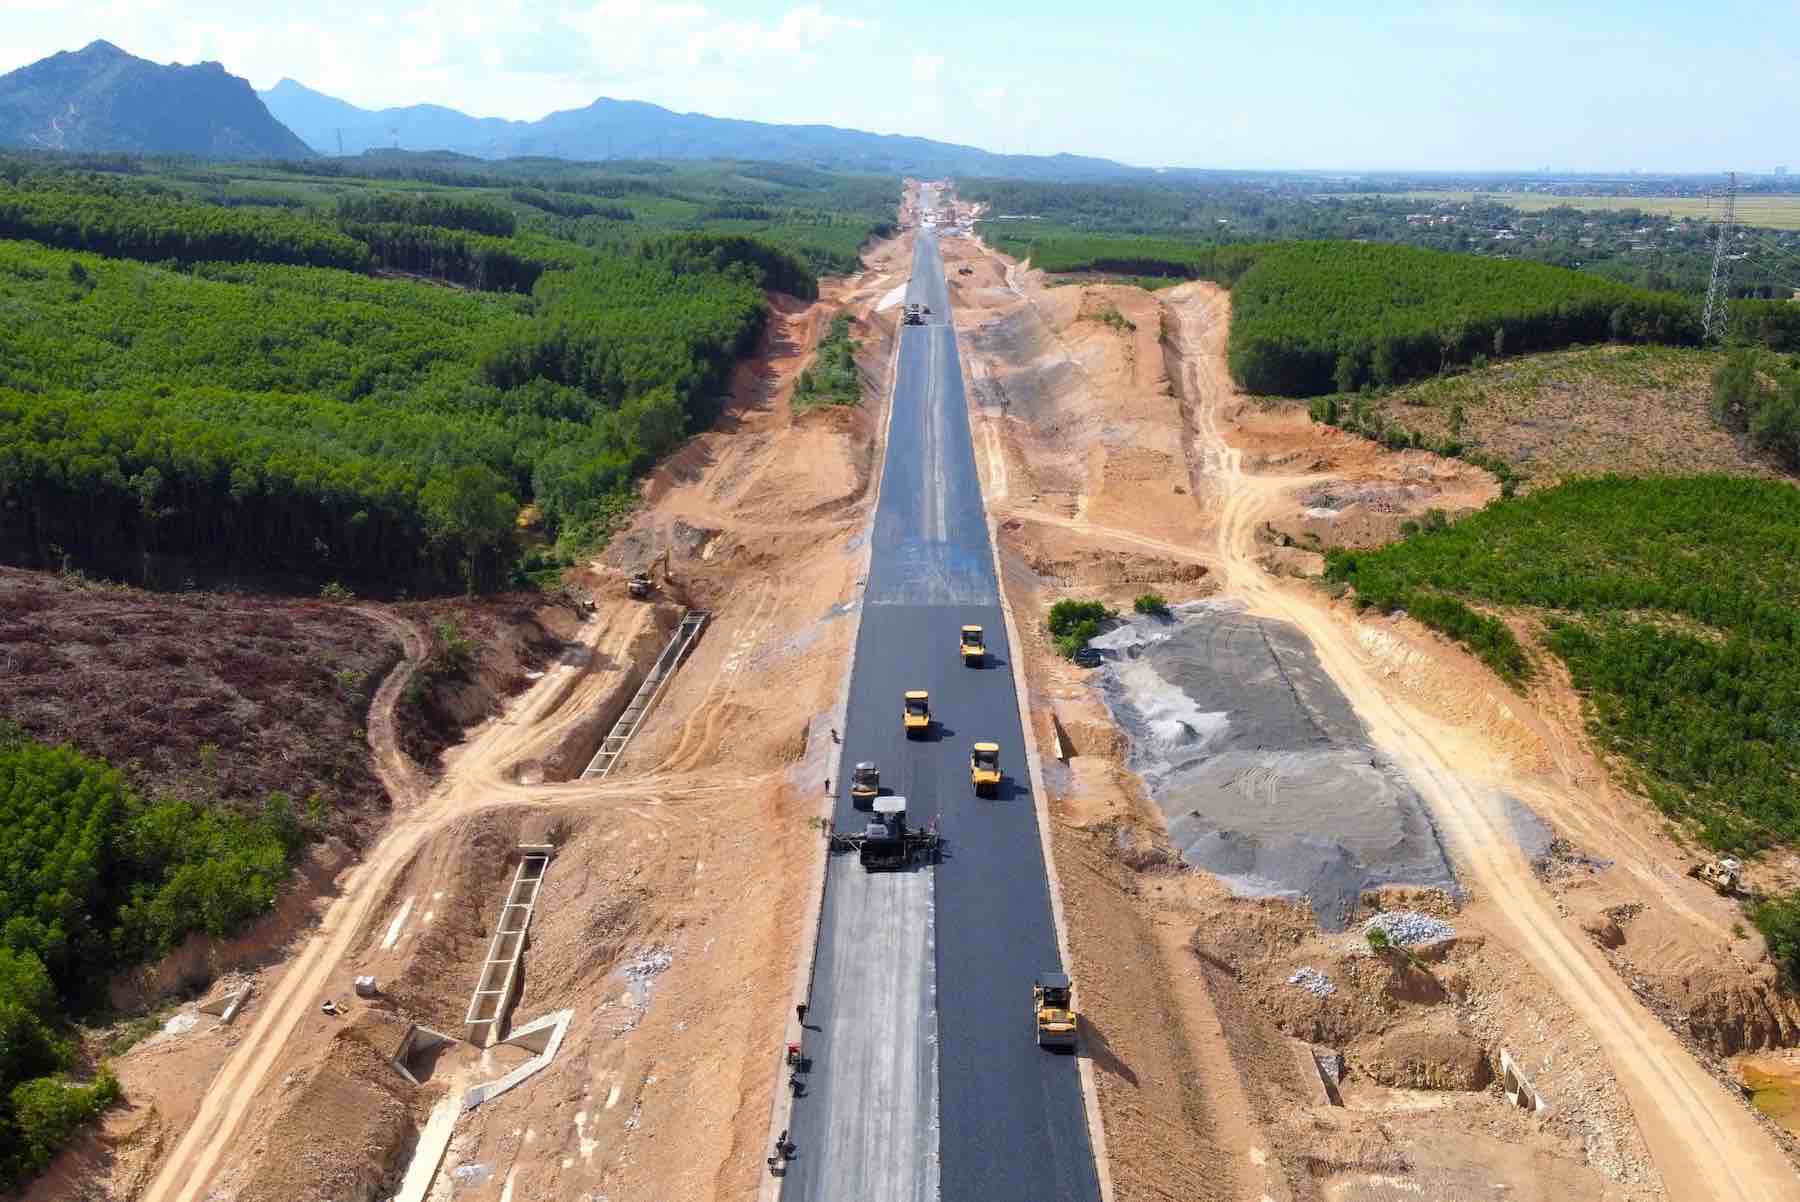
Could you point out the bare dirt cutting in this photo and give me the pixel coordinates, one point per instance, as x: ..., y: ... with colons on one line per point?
x: 672, y: 912
x: 1068, y: 398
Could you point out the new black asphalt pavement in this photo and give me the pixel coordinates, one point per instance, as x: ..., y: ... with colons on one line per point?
x: 1009, y: 1121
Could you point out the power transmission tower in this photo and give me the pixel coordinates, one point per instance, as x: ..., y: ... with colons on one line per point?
x: 340, y: 134
x: 1712, y: 320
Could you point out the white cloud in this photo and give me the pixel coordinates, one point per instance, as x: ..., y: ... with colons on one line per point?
x: 925, y: 67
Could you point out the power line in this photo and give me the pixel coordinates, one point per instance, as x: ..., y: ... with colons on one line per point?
x: 1712, y: 320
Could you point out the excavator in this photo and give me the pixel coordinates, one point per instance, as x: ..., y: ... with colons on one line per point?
x: 1052, y: 1012
x: 915, y: 715
x: 974, y: 650
x: 643, y: 583
x: 984, y: 769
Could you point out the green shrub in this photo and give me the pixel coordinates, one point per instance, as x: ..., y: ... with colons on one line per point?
x: 833, y: 378
x: 1151, y: 603
x: 1072, y: 623
x: 1778, y: 918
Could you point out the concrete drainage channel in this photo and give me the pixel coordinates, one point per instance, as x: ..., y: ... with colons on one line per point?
x: 680, y: 643
x: 489, y: 1008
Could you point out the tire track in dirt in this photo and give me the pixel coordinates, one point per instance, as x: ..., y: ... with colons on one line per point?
x: 1704, y: 1144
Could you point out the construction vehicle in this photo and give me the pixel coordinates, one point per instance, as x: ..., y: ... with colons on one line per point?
x: 984, y: 769
x: 915, y: 715
x: 1724, y: 875
x: 974, y: 651
x: 1052, y: 1013
x: 915, y: 315
x: 643, y: 582
x: 865, y: 782
x: 887, y: 843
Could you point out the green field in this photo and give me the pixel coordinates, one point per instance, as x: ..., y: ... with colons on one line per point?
x: 1768, y: 212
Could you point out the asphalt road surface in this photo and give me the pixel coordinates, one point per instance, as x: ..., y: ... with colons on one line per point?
x: 907, y: 1100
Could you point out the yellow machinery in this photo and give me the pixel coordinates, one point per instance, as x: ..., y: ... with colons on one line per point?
x: 916, y: 715
x: 1052, y: 1012
x: 1723, y: 875
x: 865, y: 782
x: 973, y: 649
x: 984, y: 769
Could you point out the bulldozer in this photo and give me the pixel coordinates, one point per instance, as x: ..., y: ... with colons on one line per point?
x: 1725, y: 875
x: 974, y: 651
x: 915, y: 715
x: 984, y: 769
x: 865, y: 782
x: 1052, y: 1011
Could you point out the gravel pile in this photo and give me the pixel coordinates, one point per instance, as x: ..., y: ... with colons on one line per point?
x: 1313, y: 981
x: 1408, y: 927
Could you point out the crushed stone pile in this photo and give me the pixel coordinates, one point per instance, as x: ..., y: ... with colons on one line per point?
x: 1409, y: 927
x: 1313, y: 981
x: 1262, y: 770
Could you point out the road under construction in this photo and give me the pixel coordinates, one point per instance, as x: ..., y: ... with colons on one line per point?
x: 925, y: 1077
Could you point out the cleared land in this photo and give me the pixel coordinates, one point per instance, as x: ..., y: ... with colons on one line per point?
x: 1632, y: 410
x: 1769, y: 212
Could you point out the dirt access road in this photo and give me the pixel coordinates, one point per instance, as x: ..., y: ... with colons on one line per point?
x: 188, y: 1169
x: 1705, y: 1145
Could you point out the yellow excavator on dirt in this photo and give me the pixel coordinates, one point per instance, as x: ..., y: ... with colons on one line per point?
x: 974, y: 650
x: 915, y: 714
x: 984, y: 769
x: 1052, y: 1011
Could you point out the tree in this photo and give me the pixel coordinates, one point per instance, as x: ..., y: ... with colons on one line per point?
x: 470, y: 513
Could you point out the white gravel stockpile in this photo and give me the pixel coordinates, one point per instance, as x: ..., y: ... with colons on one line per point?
x: 1313, y: 981
x: 1409, y: 927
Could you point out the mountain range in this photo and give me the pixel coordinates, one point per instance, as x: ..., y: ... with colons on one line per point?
x: 633, y: 129
x: 100, y: 98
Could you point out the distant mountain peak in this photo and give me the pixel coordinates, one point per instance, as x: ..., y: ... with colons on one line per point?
x: 103, y: 98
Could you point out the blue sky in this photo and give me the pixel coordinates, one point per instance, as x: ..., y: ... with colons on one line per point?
x: 1604, y: 85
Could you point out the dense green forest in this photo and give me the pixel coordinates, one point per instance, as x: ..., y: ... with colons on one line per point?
x: 128, y: 225
x: 221, y: 411
x: 259, y: 421
x: 1675, y: 604
x: 1316, y: 317
x: 93, y: 877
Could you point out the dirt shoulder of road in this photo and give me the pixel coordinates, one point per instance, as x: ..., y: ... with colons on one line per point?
x: 669, y: 917
x: 1085, y: 401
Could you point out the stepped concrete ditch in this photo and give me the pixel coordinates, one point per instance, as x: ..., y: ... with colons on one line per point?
x: 1263, y: 773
